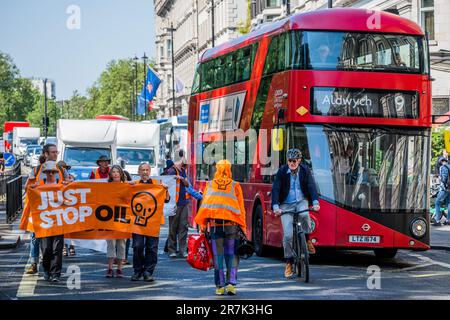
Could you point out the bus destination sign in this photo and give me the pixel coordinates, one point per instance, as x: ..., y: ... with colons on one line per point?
x: 356, y: 102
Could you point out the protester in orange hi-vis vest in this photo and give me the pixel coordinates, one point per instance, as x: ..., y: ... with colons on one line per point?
x: 49, y: 153
x: 52, y: 246
x: 102, y: 172
x: 222, y: 210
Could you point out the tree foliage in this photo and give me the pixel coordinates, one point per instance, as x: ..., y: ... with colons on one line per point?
x: 437, y: 145
x: 244, y: 27
x: 17, y: 95
x: 112, y: 93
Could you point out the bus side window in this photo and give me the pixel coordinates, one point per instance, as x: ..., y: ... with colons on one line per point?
x: 196, y: 82
x: 271, y: 57
x: 219, y: 72
x: 230, y: 68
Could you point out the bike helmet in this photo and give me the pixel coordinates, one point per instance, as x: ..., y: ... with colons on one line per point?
x: 294, y: 154
x: 245, y: 249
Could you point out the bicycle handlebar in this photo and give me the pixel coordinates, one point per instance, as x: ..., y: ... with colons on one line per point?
x: 298, y: 212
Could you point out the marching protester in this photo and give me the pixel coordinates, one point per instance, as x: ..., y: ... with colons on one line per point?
x: 121, y: 163
x: 52, y: 247
x: 49, y: 153
x: 69, y: 248
x: 115, y: 247
x: 222, y: 211
x: 178, y: 224
x: 444, y: 188
x: 102, y: 172
x: 292, y: 190
x: 145, y: 248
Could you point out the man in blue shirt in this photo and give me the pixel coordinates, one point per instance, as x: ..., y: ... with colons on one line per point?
x: 444, y: 191
x: 292, y: 191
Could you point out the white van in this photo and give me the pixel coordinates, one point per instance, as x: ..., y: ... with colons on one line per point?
x: 82, y: 142
x: 24, y: 136
x: 138, y: 142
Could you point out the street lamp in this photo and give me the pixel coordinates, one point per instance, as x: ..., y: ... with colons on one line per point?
x: 133, y: 116
x: 212, y: 21
x: 144, y: 58
x: 172, y: 29
x: 45, y: 120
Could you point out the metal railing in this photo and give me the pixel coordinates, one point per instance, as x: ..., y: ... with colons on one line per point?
x: 13, y: 199
x: 9, y: 191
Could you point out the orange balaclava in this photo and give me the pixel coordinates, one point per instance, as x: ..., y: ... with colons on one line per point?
x: 223, y: 177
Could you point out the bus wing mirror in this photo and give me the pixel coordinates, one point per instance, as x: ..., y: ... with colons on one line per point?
x: 277, y: 139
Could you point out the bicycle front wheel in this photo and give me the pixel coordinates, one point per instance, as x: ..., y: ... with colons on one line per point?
x: 303, y: 265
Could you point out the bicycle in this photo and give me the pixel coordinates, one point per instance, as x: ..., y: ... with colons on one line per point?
x: 299, y: 247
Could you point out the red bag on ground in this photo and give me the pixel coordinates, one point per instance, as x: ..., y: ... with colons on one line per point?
x: 200, y: 254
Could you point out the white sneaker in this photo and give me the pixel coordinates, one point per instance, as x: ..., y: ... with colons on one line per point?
x: 173, y: 255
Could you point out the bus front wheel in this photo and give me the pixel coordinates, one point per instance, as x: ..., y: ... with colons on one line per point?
x: 257, y: 232
x: 385, y: 253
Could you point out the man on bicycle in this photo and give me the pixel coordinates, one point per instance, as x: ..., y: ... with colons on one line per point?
x: 292, y: 191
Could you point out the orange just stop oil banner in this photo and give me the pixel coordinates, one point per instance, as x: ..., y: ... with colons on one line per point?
x: 83, y: 206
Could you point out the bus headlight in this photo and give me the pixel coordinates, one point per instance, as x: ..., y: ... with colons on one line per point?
x: 419, y: 227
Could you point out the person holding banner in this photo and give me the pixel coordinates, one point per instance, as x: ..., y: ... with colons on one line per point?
x: 52, y: 247
x: 145, y: 248
x: 115, y: 247
x: 49, y: 153
x: 222, y: 211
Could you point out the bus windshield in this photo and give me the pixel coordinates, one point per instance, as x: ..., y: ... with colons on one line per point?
x: 366, y: 169
x: 330, y: 50
x: 83, y: 156
x: 137, y: 156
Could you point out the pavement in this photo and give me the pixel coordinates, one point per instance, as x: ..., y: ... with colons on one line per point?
x: 440, y: 237
x: 337, y: 275
x: 11, y: 236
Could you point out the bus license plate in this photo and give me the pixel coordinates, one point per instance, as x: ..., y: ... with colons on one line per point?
x: 364, y: 239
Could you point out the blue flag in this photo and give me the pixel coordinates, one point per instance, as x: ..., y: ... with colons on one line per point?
x: 148, y: 92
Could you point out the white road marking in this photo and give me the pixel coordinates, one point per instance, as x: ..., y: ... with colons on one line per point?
x: 27, y: 284
x: 430, y: 261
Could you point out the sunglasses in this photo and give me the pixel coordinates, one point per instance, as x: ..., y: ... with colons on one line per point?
x: 292, y: 160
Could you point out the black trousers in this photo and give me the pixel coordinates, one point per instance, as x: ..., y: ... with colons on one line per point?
x: 145, y: 254
x: 52, y: 252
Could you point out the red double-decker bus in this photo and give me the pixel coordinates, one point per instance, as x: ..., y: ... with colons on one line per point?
x: 351, y: 89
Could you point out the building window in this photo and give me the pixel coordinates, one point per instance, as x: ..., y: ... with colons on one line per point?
x: 169, y: 48
x: 427, y: 17
x: 272, y: 3
x: 161, y: 52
